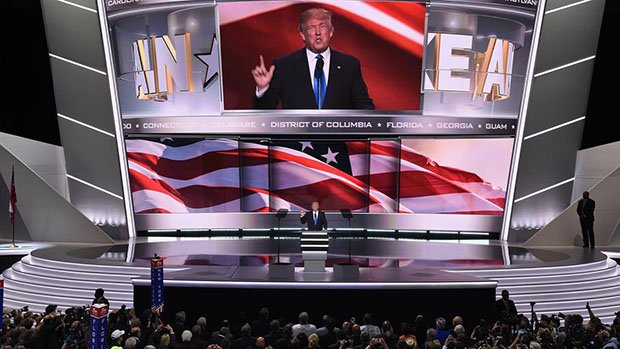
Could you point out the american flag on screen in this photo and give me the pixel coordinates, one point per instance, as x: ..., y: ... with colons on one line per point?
x: 224, y: 175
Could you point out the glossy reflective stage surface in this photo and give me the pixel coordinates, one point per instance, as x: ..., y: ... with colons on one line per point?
x: 386, y: 261
x: 374, y: 253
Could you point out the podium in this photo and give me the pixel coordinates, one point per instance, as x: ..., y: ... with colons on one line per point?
x: 314, y: 245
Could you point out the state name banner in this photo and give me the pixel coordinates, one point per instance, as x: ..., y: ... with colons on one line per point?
x: 1, y: 299
x: 98, y: 326
x: 157, y: 284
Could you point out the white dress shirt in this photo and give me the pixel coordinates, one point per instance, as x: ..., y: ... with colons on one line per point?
x: 307, y: 329
x: 311, y: 66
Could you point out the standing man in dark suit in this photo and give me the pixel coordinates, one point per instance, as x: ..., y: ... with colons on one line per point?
x: 585, y: 210
x: 505, y: 307
x: 316, y: 219
x: 314, y: 77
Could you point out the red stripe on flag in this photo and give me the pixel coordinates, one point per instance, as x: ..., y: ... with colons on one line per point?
x: 297, y: 178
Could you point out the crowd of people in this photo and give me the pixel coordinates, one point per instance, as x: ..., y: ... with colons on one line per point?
x: 130, y: 330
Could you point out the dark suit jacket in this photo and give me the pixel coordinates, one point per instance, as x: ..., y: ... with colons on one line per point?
x: 320, y: 224
x: 198, y: 342
x: 272, y: 337
x: 328, y: 339
x: 500, y: 310
x: 292, y: 85
x: 185, y: 345
x: 244, y: 343
x: 586, y: 208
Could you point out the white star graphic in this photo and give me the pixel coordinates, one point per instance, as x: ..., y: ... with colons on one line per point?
x: 211, y: 60
x: 263, y: 124
x: 330, y: 156
x: 378, y: 124
x: 305, y: 145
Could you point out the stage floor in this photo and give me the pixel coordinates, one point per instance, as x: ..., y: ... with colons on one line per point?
x: 371, y: 253
x: 559, y: 279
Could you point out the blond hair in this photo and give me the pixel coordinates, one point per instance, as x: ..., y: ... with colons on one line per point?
x: 165, y: 339
x: 316, y: 13
x: 313, y: 341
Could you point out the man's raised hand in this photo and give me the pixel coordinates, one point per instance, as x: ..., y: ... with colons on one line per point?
x: 262, y: 75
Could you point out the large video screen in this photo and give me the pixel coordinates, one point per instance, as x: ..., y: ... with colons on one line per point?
x: 305, y: 67
x: 409, y: 176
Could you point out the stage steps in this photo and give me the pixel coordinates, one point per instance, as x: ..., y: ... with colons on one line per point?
x: 37, y: 282
x: 564, y: 289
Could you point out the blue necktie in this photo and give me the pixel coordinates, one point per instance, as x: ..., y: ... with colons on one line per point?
x: 319, y: 81
x: 316, y: 218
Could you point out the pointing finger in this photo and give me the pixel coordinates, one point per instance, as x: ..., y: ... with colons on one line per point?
x: 262, y: 61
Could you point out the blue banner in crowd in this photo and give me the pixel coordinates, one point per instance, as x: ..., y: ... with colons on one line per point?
x: 1, y: 299
x: 157, y: 284
x: 98, y: 326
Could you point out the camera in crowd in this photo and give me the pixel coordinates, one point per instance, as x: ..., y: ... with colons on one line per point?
x: 75, y: 326
x: 76, y: 314
x: 347, y: 342
x: 14, y: 312
x: 377, y: 342
x: 482, y: 331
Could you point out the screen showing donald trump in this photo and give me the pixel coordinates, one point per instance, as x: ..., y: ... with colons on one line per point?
x: 319, y: 55
x: 320, y: 67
